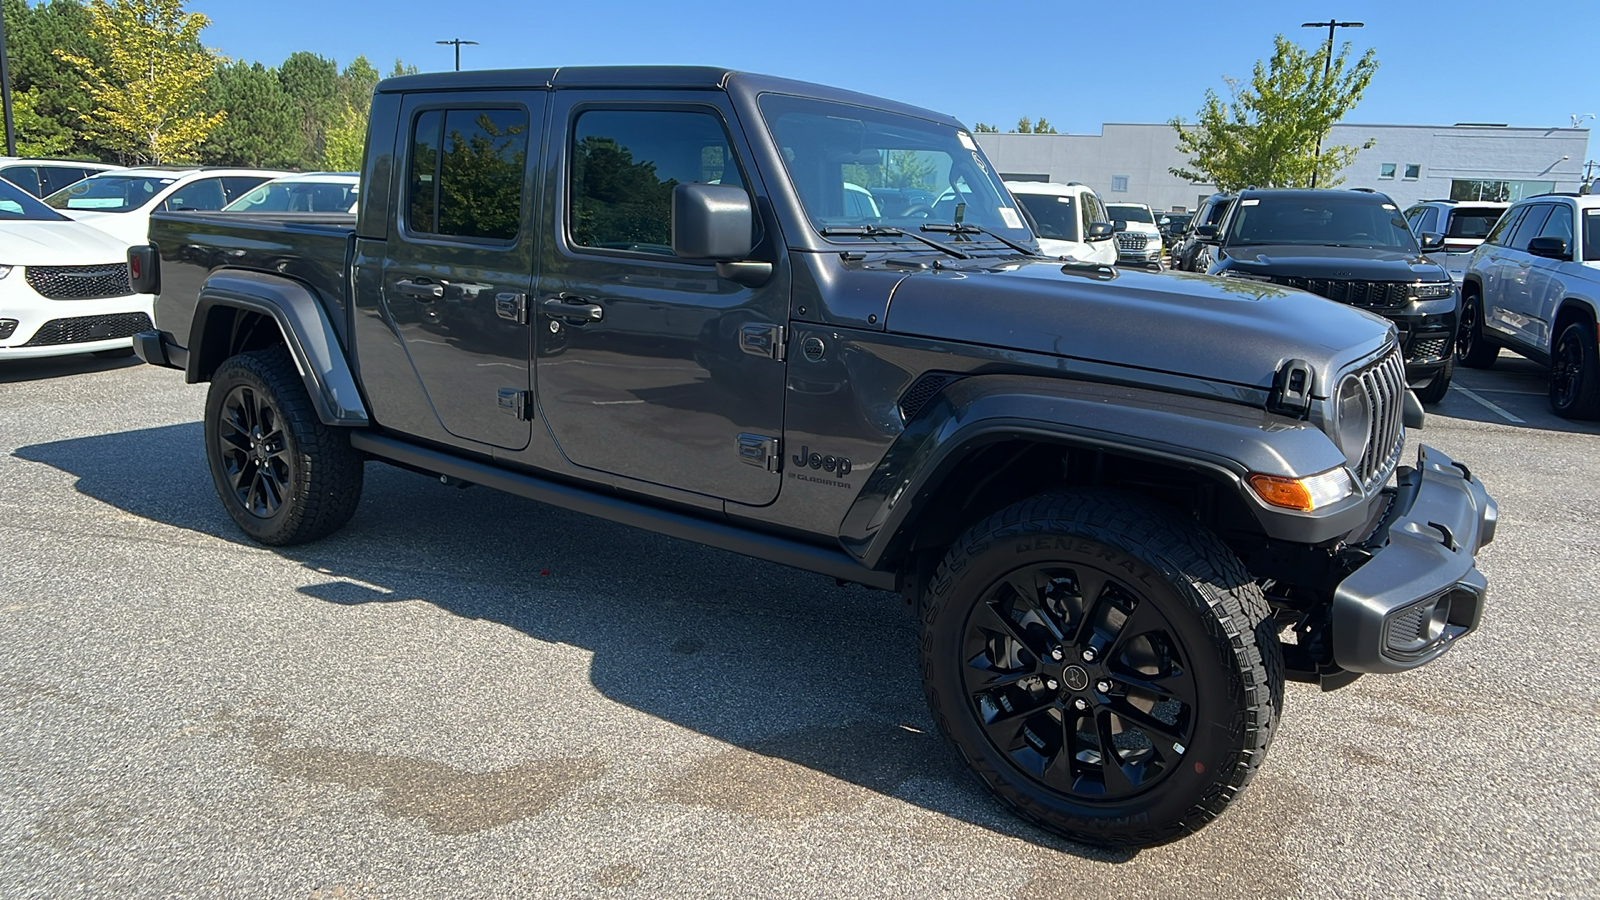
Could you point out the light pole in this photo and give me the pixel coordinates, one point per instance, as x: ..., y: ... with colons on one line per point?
x: 1327, y: 69
x: 458, y: 42
x: 5, y: 91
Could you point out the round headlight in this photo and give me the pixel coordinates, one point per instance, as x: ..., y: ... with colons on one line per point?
x: 1354, y: 420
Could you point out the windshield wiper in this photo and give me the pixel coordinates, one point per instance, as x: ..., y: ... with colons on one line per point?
x: 975, y: 229
x: 886, y: 231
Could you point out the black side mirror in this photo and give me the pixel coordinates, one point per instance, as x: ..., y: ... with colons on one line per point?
x: 1549, y: 248
x: 1431, y: 241
x: 1205, y: 232
x: 1119, y: 225
x: 712, y: 221
x: 1100, y: 231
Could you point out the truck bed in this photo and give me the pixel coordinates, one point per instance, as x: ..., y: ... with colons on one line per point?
x: 308, y: 247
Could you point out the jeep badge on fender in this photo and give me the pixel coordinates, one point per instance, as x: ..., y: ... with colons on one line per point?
x: 838, y: 465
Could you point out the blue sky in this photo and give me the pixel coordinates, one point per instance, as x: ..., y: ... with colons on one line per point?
x: 1079, y: 64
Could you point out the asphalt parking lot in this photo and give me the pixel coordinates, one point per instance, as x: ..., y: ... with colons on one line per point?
x: 467, y: 694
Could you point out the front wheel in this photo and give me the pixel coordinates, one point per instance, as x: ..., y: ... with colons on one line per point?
x: 1471, y: 348
x: 1575, y: 373
x: 1106, y: 667
x: 1440, y: 385
x: 283, y: 476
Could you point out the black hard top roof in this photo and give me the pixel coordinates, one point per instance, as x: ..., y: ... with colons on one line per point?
x: 647, y: 77
x: 1356, y: 194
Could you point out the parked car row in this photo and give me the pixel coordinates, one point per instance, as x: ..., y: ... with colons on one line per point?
x: 64, y: 279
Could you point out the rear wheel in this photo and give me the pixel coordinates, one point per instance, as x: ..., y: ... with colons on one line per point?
x: 1575, y: 373
x: 1471, y: 349
x: 1108, y: 669
x: 283, y: 475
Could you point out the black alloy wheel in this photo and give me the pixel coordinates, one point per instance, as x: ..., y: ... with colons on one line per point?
x: 1471, y: 349
x: 1078, y: 678
x: 254, y: 451
x: 1105, y: 666
x: 1575, y: 373
x: 283, y: 475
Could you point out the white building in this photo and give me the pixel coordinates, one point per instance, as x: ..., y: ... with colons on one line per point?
x: 1407, y: 162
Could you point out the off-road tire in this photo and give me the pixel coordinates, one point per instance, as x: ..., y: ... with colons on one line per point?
x: 1473, y: 350
x: 1212, y: 607
x: 1575, y: 373
x: 317, y: 473
x: 1440, y: 385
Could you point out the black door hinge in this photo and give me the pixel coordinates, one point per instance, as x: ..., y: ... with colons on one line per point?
x: 512, y: 306
x: 517, y: 404
x: 760, y: 451
x: 762, y: 339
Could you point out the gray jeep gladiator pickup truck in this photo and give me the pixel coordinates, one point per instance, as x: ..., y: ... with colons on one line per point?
x: 1126, y: 505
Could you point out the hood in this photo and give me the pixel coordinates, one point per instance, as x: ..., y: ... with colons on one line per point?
x: 58, y: 244
x: 1216, y: 329
x: 132, y: 227
x: 1351, y: 263
x: 1140, y: 227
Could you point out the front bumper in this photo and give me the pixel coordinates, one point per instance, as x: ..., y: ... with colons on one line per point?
x: 34, y: 326
x: 1421, y: 590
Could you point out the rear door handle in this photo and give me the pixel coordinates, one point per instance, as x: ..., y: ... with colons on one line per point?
x: 560, y: 308
x: 419, y: 290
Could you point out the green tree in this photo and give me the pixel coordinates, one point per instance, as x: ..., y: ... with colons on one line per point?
x: 262, y: 127
x: 982, y: 128
x: 345, y: 134
x: 904, y: 169
x: 148, y: 95
x: 1025, y: 126
x: 1268, y: 135
x: 313, y: 83
x: 37, y: 135
x: 55, y: 91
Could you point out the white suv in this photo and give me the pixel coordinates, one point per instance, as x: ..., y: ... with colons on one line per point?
x: 1534, y: 287
x: 1464, y: 224
x: 1139, y: 238
x: 64, y: 286
x: 120, y: 202
x: 1064, y: 219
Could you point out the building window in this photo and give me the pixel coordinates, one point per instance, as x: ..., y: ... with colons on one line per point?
x: 1498, y: 191
x: 1413, y: 171
x: 1119, y: 184
x: 1386, y: 170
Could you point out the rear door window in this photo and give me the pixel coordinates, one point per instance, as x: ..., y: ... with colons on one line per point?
x: 466, y: 173
x: 1470, y: 222
x: 202, y: 194
x: 25, y: 177
x: 54, y: 178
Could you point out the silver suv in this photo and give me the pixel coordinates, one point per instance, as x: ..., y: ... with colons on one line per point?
x: 1534, y: 287
x: 1464, y: 224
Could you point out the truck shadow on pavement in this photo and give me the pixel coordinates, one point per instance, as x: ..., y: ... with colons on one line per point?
x: 14, y: 371
x: 802, y: 679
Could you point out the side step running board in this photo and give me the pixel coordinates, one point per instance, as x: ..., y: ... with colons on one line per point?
x: 809, y: 557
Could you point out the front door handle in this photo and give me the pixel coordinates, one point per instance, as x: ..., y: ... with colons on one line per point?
x: 419, y: 290
x: 559, y: 308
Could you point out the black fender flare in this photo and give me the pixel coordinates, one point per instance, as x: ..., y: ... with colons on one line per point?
x: 1223, y: 438
x: 303, y: 321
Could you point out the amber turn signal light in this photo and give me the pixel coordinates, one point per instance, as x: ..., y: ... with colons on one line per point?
x: 1304, y: 494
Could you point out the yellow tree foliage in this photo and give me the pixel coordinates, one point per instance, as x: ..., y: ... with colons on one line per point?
x: 149, y: 97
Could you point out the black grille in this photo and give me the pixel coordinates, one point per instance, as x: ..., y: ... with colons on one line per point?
x: 80, y: 282
x: 1385, y: 385
x: 7, y: 326
x: 89, y: 328
x: 1368, y: 294
x: 1132, y: 241
x: 923, y: 390
x: 1428, y: 348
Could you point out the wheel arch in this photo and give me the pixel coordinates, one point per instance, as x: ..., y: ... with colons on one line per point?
x: 987, y: 441
x: 240, y: 310
x: 1571, y: 309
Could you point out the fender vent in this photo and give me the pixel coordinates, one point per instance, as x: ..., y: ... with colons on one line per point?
x: 921, y: 391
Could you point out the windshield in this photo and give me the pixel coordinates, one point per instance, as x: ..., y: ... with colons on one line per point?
x: 1330, y: 220
x: 297, y: 196
x: 17, y: 205
x: 110, y: 193
x: 917, y: 172
x: 1130, y: 213
x: 1470, y: 222
x: 1055, y: 217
